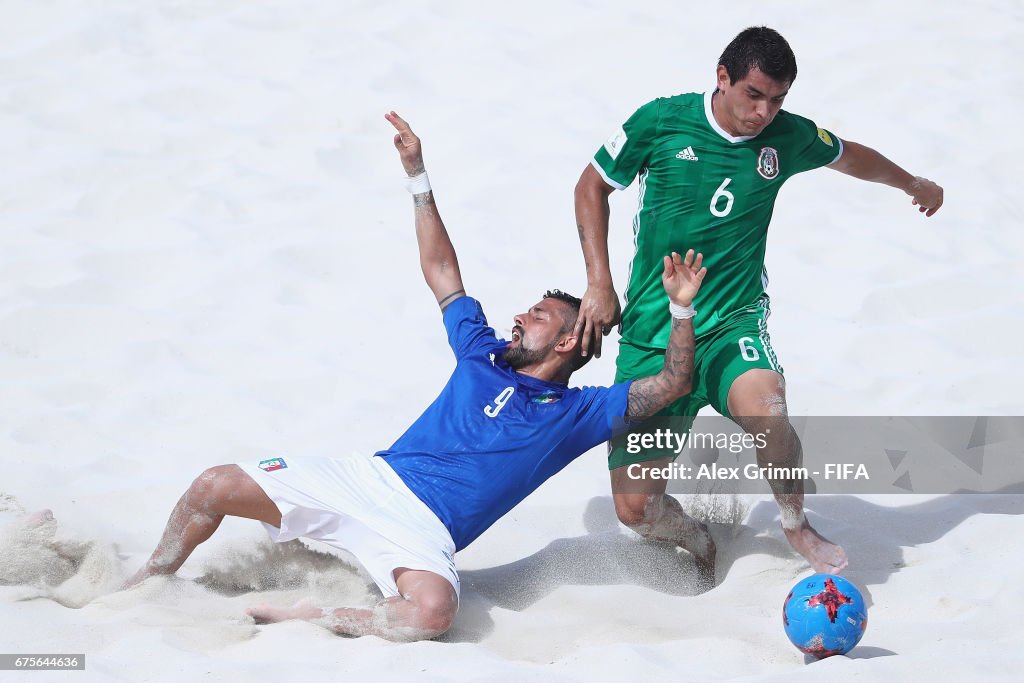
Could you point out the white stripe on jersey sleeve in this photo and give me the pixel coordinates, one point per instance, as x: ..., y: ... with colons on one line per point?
x: 597, y: 166
x: 840, y: 150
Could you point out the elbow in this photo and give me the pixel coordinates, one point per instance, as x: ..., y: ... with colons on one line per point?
x: 583, y: 183
x: 682, y: 385
x: 580, y: 194
x: 438, y: 264
x: 429, y: 269
x: 676, y: 387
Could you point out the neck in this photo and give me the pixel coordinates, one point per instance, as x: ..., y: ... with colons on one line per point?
x: 547, y: 372
x: 719, y: 116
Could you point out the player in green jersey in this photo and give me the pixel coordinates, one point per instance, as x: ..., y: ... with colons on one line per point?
x: 710, y: 166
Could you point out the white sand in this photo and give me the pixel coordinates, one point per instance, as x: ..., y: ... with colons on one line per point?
x: 207, y: 256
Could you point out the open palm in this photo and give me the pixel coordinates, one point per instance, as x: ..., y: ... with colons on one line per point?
x: 682, y: 277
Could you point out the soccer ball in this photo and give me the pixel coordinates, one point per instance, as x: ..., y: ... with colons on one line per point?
x: 824, y: 615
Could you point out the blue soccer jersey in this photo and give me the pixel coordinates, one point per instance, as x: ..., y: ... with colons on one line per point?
x: 494, y: 435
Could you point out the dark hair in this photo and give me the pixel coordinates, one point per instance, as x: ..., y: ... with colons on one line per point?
x: 573, y: 302
x: 761, y: 48
x: 568, y: 323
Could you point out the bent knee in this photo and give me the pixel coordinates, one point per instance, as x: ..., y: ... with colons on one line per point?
x: 758, y: 393
x: 437, y: 623
x: 214, y: 484
x: 434, y: 615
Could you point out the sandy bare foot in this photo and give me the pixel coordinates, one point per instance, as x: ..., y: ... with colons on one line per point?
x: 269, y: 614
x: 824, y: 556
x: 38, y: 518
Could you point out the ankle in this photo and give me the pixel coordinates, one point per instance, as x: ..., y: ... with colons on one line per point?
x: 793, y: 520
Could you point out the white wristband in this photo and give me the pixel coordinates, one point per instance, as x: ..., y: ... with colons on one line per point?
x: 418, y: 184
x: 681, y: 312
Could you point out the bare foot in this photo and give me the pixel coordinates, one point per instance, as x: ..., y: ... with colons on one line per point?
x: 269, y: 614
x: 824, y: 556
x: 38, y: 518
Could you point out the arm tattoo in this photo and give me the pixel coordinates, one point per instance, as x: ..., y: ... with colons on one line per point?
x: 423, y: 199
x: 441, y: 303
x: 648, y: 395
x: 583, y: 241
x: 643, y: 398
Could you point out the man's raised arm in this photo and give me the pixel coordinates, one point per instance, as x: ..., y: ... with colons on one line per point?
x: 437, y: 255
x: 599, y: 309
x: 648, y: 395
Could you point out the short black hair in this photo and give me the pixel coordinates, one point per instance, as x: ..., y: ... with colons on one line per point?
x: 573, y: 302
x: 761, y: 48
x: 568, y: 323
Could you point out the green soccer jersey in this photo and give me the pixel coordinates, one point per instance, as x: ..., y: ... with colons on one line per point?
x: 706, y: 190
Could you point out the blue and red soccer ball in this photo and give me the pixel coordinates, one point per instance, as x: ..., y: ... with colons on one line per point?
x: 824, y: 615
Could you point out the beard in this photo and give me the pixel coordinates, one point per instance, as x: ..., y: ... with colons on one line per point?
x: 520, y: 357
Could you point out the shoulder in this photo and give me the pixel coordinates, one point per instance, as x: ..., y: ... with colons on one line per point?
x: 687, y: 100
x: 788, y: 123
x: 791, y: 133
x: 467, y: 327
x: 602, y: 408
x: 592, y: 395
x: 666, y: 113
x: 462, y: 306
x: 675, y: 105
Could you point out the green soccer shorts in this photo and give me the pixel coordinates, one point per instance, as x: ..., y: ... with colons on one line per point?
x: 722, y: 354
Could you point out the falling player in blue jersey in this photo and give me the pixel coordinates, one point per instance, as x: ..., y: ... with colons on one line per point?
x: 505, y: 422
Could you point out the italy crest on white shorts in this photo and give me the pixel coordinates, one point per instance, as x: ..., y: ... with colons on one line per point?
x: 273, y: 464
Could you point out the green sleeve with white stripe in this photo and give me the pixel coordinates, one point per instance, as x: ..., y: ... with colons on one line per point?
x: 620, y: 159
x: 814, y: 147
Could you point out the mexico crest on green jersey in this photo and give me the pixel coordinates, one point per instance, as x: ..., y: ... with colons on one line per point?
x: 768, y: 163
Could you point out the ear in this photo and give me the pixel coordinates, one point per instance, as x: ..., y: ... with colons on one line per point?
x: 723, y: 77
x: 568, y: 344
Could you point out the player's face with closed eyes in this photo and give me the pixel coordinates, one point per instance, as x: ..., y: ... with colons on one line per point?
x: 535, y: 333
x: 747, y: 106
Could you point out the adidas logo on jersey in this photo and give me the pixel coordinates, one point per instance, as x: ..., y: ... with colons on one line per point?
x: 687, y: 154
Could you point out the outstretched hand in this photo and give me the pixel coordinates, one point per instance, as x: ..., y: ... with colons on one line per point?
x: 926, y: 194
x: 408, y: 145
x: 682, y: 277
